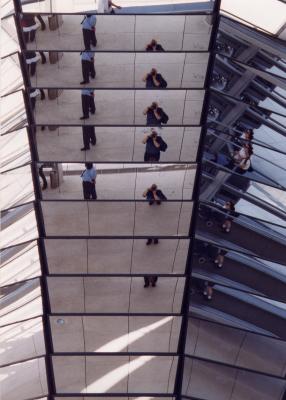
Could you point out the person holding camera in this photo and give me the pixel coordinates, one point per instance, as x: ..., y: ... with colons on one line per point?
x: 155, y: 115
x: 154, y: 46
x: 154, y: 145
x: 154, y: 80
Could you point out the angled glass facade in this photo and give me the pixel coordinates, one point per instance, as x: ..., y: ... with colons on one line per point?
x: 143, y: 223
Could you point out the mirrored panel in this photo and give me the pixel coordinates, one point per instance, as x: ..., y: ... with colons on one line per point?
x: 119, y: 32
x: 11, y: 72
x: 117, y: 107
x: 117, y: 70
x: 253, y: 312
x: 14, y: 116
x: 28, y: 378
x: 113, y: 218
x: 19, y: 263
x: 89, y: 143
x: 21, y: 301
x: 236, y: 347
x: 22, y: 340
x: 115, y: 333
x: 16, y: 187
x: 18, y: 225
x: 227, y: 226
x: 15, y: 150
x: 228, y: 383
x: 114, y: 374
x: 105, y: 295
x: 116, y: 256
x: 152, y: 182
x: 238, y: 270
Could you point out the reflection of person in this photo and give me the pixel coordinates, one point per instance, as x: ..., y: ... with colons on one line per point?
x: 154, y: 80
x: 88, y: 182
x: 150, y: 280
x: 208, y: 290
x: 106, y: 6
x: 154, y: 145
x: 219, y: 260
x: 153, y: 194
x: 87, y: 101
x: 229, y: 209
x: 42, y: 175
x: 31, y: 60
x: 155, y: 115
x: 29, y: 27
x: 88, y: 31
x: 34, y: 93
x: 88, y: 136
x: 154, y: 46
x: 87, y: 66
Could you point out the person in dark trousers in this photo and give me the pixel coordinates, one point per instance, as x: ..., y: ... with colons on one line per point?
x: 150, y: 280
x: 42, y: 175
x: 229, y: 209
x: 32, y: 59
x: 88, y: 31
x: 87, y: 101
x: 88, y: 136
x: 87, y: 66
x: 154, y: 80
x: 155, y: 115
x: 154, y: 145
x: 153, y: 194
x: 154, y: 46
x: 33, y: 95
x: 88, y: 182
x: 29, y: 27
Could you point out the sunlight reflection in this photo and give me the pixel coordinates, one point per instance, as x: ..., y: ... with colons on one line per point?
x: 120, y: 343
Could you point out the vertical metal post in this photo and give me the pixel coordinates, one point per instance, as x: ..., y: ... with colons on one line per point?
x: 31, y: 130
x: 196, y: 193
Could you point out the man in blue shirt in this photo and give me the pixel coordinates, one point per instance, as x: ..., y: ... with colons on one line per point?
x: 88, y: 182
x: 87, y: 66
x: 87, y: 102
x: 88, y: 31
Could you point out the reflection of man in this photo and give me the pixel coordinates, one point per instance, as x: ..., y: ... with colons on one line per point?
x: 42, y: 175
x: 88, y: 31
x: 87, y: 66
x: 88, y: 182
x: 106, y: 6
x: 150, y: 280
x: 88, y: 136
x: 87, y: 102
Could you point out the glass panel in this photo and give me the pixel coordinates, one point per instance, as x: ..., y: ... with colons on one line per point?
x: 122, y: 181
x: 114, y: 374
x: 119, y: 70
x: 11, y: 74
x: 224, y: 382
x: 19, y: 263
x: 21, y: 301
x: 27, y: 378
x: 236, y: 347
x: 15, y: 149
x: 22, y: 340
x: 128, y: 107
x: 255, y: 313
x: 110, y: 256
x: 102, y: 218
x: 114, y: 295
x: 16, y: 187
x: 115, y: 334
x: 14, y: 116
x: 9, y: 39
x: 18, y: 225
x: 128, y: 32
x: 115, y: 143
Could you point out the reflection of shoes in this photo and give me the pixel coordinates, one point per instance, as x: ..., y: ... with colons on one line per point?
x: 84, y: 82
x: 92, y: 112
x: 44, y: 187
x: 84, y: 148
x: 149, y: 241
x: 83, y: 117
x: 146, y: 285
x: 153, y: 284
x: 93, y: 144
x: 219, y: 265
x: 156, y: 241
